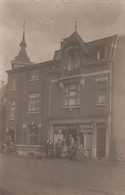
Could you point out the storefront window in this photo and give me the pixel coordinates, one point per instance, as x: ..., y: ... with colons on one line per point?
x: 32, y: 134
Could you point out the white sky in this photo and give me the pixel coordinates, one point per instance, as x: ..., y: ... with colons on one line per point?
x: 49, y: 21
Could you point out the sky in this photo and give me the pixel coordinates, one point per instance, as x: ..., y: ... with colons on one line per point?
x: 48, y: 22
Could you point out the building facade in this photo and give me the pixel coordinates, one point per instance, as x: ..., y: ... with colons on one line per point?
x: 3, y: 97
x: 75, y: 95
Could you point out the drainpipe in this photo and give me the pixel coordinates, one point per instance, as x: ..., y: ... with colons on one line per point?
x: 112, y: 55
x: 50, y: 96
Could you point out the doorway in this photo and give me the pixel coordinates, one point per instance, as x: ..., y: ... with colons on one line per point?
x: 11, y: 133
x: 101, y: 140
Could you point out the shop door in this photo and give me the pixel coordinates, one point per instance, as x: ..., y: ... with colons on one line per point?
x: 33, y: 134
x: 73, y: 133
x: 12, y: 135
x: 101, y: 140
x: 86, y: 141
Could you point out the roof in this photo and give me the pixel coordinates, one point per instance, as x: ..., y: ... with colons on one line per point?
x: 22, y: 55
x: 32, y: 66
x: 76, y: 37
x: 57, y: 55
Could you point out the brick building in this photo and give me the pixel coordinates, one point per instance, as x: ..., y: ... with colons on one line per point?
x: 3, y: 96
x: 79, y: 93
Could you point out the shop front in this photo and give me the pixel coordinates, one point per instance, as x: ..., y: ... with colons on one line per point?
x: 93, y: 134
x: 80, y: 133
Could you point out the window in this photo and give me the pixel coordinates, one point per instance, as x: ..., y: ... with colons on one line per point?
x: 13, y: 81
x: 101, y: 92
x: 4, y: 100
x: 32, y: 134
x: 12, y: 109
x: 34, y: 102
x: 72, y: 95
x: 34, y: 75
x: 101, y: 53
x: 73, y: 61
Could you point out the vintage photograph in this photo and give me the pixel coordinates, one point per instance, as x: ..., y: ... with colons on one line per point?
x: 62, y: 97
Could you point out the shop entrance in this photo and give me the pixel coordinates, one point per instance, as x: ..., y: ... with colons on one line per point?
x: 72, y: 133
x: 101, y: 140
x: 65, y: 132
x: 85, y: 139
x: 33, y: 134
x: 11, y: 134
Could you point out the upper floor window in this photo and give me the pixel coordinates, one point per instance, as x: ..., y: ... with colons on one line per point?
x: 72, y: 94
x: 4, y: 100
x: 12, y: 109
x: 34, y: 102
x: 73, y: 61
x: 101, y: 92
x: 34, y: 75
x: 101, y: 53
x: 13, y: 81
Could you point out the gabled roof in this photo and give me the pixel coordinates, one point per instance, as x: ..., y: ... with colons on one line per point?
x: 76, y: 37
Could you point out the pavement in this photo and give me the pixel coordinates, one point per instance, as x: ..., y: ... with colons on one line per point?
x: 25, y: 176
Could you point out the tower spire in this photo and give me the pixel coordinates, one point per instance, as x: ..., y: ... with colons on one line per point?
x: 21, y: 59
x: 75, y: 25
x: 23, y: 42
x: 24, y: 27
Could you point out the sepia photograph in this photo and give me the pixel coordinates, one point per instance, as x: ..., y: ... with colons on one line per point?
x: 62, y: 97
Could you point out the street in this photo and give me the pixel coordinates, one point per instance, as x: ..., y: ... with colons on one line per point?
x: 23, y: 176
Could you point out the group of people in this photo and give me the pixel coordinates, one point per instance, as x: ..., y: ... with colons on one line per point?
x: 62, y: 149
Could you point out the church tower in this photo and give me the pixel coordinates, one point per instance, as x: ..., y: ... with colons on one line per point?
x: 21, y: 59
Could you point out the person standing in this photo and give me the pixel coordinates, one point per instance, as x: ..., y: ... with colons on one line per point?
x: 50, y: 149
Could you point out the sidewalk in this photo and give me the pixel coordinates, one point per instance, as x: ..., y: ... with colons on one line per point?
x: 52, y: 176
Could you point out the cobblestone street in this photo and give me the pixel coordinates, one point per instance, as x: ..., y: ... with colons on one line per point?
x: 20, y: 176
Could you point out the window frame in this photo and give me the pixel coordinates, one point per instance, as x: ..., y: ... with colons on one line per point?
x: 99, y: 52
x: 71, y: 95
x: 101, y: 91
x: 12, y: 113
x: 14, y: 81
x: 33, y: 75
x: 32, y: 132
x: 72, y: 63
x: 33, y: 105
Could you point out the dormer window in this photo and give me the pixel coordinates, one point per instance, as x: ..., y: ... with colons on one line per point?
x: 101, y: 53
x: 73, y: 62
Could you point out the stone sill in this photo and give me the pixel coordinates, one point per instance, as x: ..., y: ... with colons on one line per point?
x: 34, y: 80
x: 11, y: 119
x: 33, y: 112
x: 71, y: 107
x: 101, y: 105
x: 13, y: 89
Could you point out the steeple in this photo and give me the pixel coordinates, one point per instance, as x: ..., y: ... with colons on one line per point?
x: 75, y: 25
x: 21, y: 59
x: 23, y: 43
